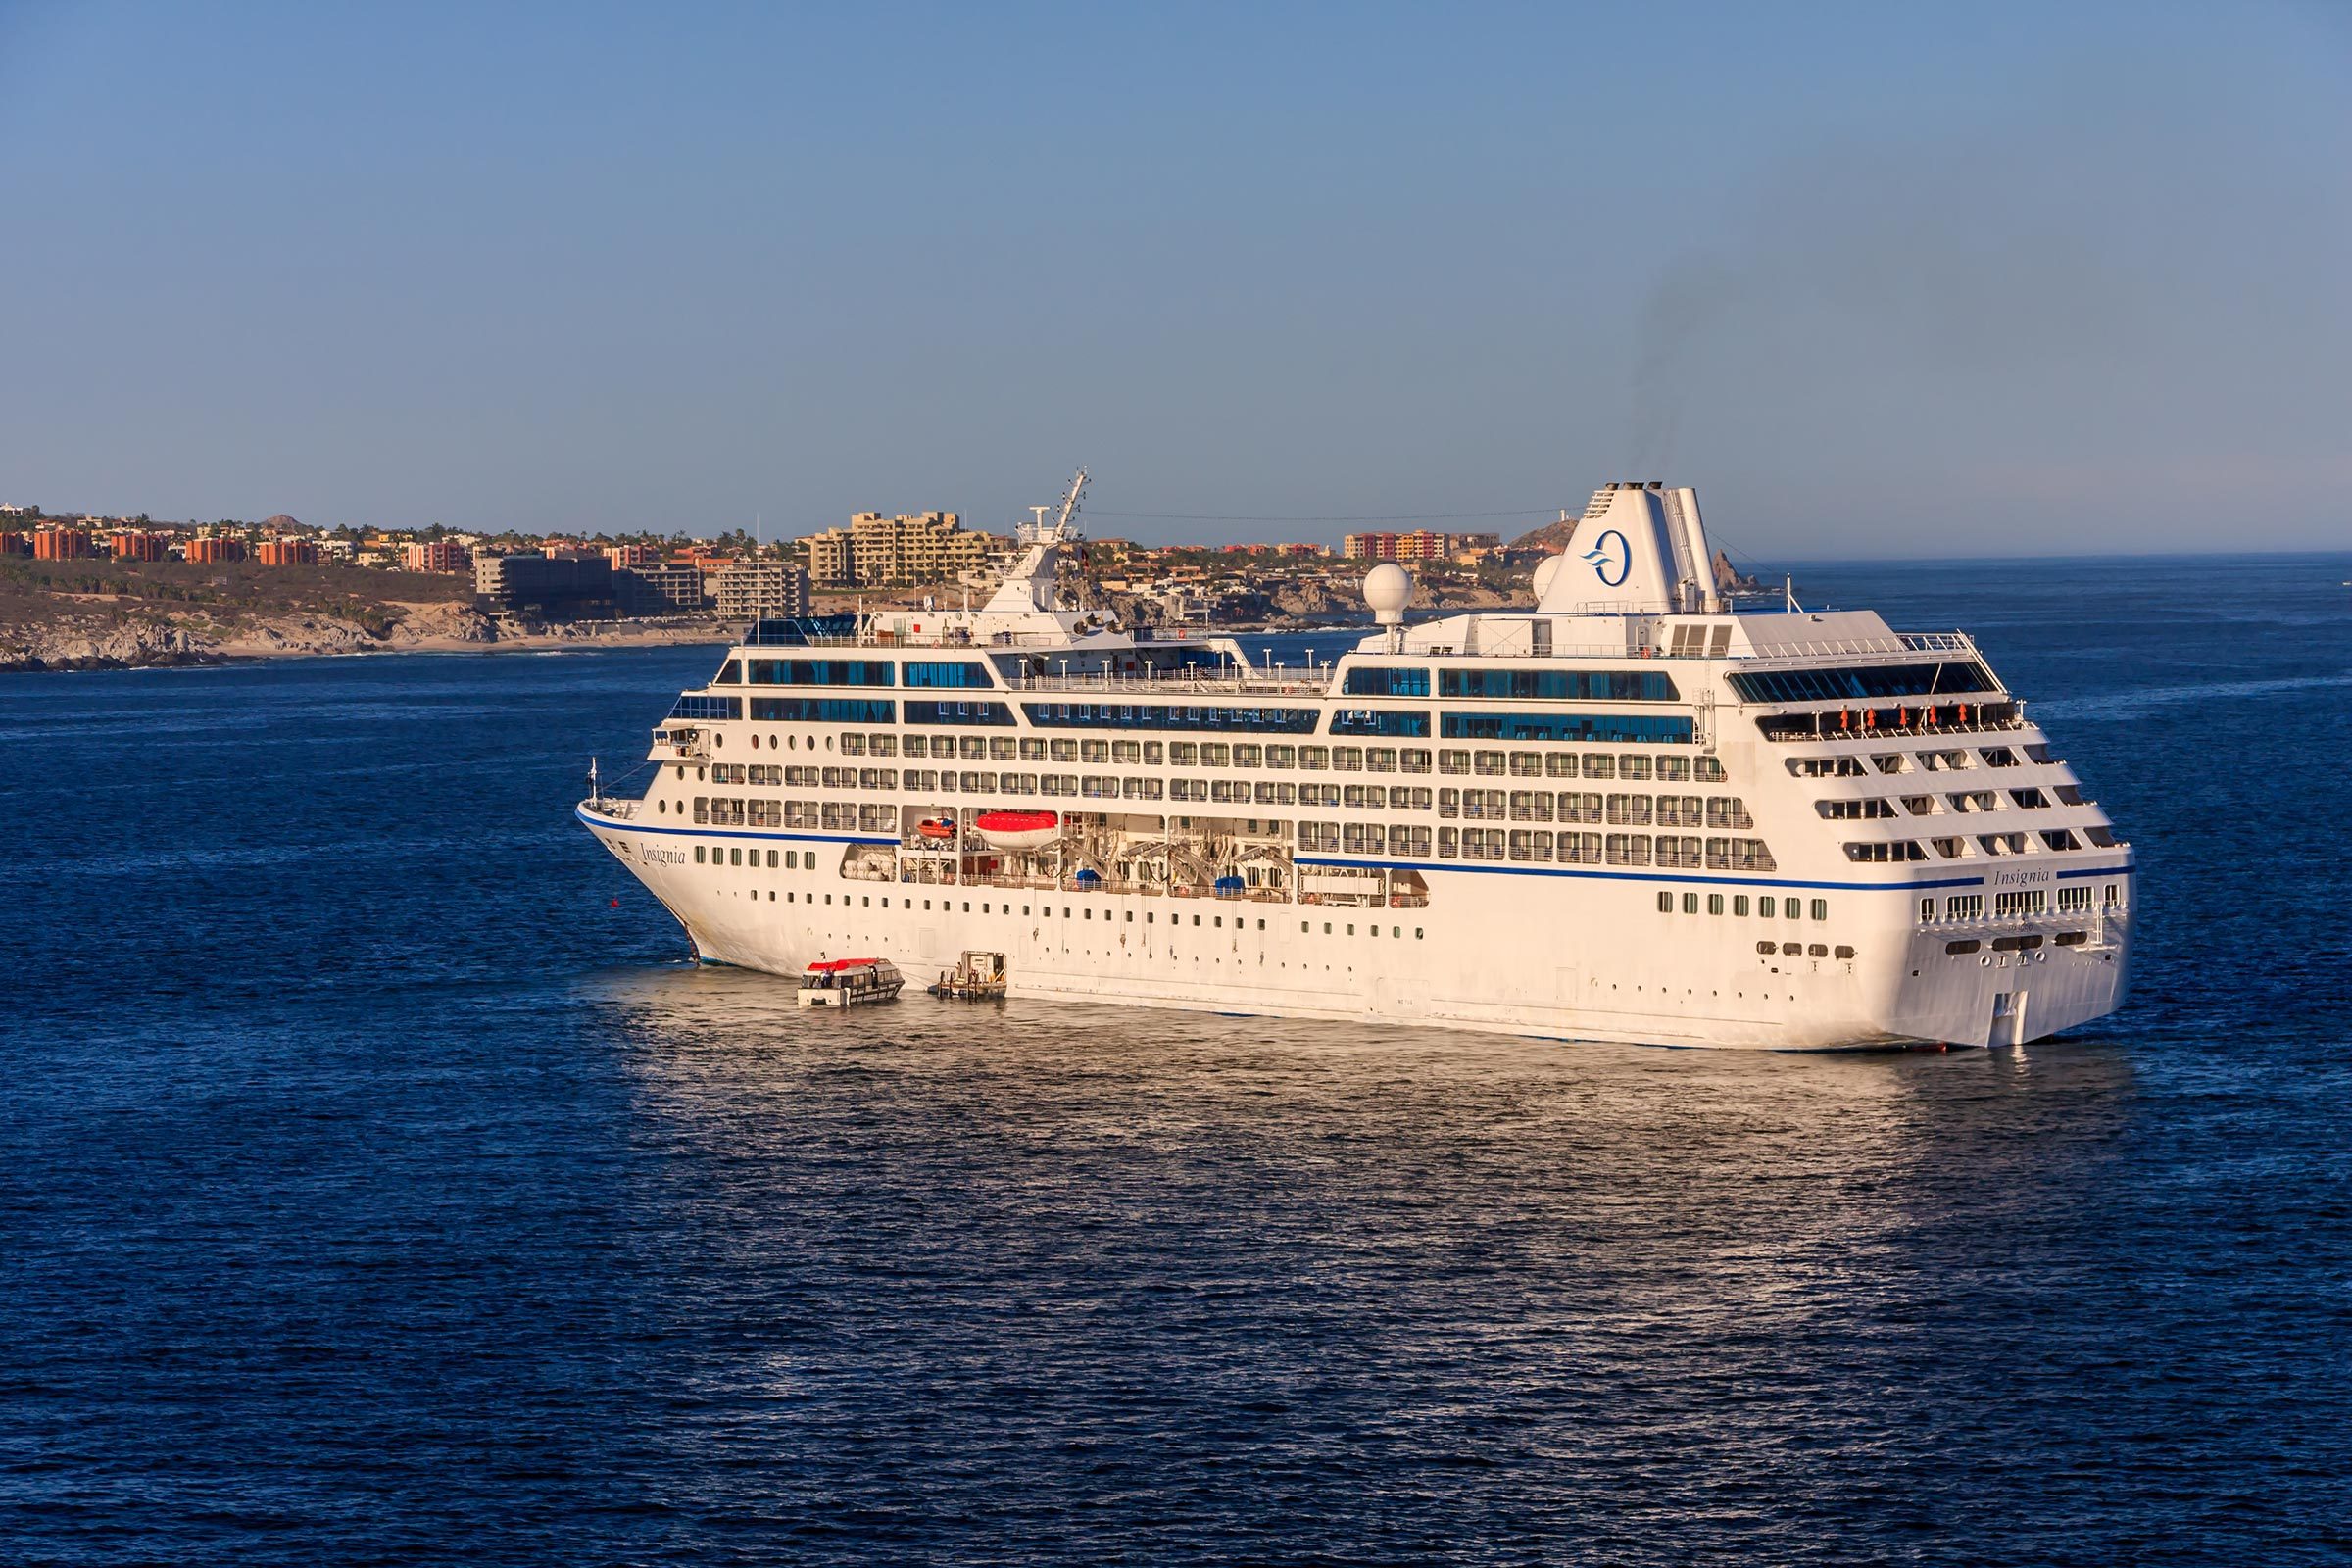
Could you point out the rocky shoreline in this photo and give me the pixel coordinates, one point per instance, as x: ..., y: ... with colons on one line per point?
x: 99, y: 632
x: 148, y: 639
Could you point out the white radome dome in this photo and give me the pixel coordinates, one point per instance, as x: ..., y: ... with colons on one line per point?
x: 1545, y: 570
x: 1387, y: 588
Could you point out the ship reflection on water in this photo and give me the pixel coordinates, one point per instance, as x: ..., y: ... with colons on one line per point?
x: 985, y: 1237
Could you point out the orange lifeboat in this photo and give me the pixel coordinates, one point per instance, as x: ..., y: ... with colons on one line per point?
x: 1018, y: 830
x: 936, y: 830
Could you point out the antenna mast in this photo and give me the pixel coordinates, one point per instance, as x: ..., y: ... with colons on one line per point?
x: 1069, y: 506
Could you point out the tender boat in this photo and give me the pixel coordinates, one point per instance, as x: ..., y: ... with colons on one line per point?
x: 1018, y: 830
x: 976, y: 977
x: 849, y: 982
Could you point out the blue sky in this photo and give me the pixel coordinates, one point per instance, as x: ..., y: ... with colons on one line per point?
x: 1878, y: 281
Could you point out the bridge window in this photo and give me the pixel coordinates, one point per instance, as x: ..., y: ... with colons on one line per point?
x: 707, y: 709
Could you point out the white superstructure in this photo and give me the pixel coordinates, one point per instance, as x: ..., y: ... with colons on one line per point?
x: 1626, y: 815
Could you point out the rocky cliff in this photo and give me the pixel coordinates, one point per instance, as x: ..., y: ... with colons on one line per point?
x: 72, y: 634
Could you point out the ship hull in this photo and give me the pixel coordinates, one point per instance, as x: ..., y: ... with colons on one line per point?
x: 1572, y: 956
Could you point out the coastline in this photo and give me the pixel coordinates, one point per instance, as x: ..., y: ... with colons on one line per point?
x: 172, y: 642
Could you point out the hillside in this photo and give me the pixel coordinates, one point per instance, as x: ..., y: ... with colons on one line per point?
x: 105, y: 615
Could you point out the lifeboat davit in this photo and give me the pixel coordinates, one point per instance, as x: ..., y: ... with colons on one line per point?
x: 936, y: 829
x: 1018, y: 830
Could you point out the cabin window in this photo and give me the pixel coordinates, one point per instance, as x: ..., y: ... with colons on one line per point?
x: 1560, y: 685
x: 1690, y: 903
x: 1714, y: 904
x: 951, y: 674
x: 1590, y: 728
x: 1821, y: 909
x: 1167, y: 717
x: 1370, y: 682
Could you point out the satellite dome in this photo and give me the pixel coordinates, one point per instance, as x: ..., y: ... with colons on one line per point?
x: 1386, y: 588
x: 1545, y: 570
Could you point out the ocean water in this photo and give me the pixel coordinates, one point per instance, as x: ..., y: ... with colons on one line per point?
x: 379, y: 1185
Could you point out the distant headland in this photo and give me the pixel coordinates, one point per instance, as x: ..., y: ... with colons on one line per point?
x: 80, y: 591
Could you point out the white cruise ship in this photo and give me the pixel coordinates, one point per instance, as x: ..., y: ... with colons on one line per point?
x: 1628, y: 814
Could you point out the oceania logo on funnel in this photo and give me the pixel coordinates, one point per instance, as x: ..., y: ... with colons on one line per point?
x: 1611, y: 557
